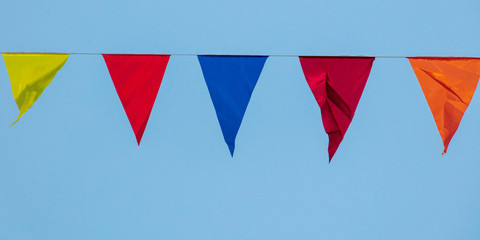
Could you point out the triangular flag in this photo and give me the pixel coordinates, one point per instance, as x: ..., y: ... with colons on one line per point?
x: 30, y: 74
x: 230, y: 81
x: 137, y: 79
x: 337, y: 84
x: 448, y: 85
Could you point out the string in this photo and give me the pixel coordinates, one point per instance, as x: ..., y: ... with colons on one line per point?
x: 210, y: 54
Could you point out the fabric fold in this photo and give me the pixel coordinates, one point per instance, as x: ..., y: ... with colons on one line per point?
x: 337, y: 84
x: 30, y: 74
x: 448, y: 85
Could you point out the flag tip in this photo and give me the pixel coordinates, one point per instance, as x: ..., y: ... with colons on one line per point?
x: 444, y: 150
x: 330, y: 156
x: 231, y: 148
x: 16, y: 120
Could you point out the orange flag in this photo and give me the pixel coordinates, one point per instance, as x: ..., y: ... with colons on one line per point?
x: 448, y: 85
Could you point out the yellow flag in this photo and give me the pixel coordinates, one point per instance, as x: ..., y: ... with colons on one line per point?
x: 30, y: 74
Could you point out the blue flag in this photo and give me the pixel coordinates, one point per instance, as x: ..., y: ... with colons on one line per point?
x: 230, y: 81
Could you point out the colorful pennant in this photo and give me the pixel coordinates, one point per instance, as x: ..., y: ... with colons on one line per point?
x: 448, y: 85
x: 337, y: 84
x: 30, y: 74
x: 230, y: 81
x: 137, y: 79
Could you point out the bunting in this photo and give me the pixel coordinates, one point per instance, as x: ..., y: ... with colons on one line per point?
x: 337, y: 84
x: 30, y: 74
x: 137, y: 79
x: 448, y: 85
x: 230, y: 81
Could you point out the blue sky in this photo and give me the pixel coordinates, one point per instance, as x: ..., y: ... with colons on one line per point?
x: 71, y: 169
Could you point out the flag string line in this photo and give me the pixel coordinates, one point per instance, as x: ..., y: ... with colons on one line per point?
x: 215, y: 54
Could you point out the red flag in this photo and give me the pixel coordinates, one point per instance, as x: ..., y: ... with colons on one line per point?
x: 137, y: 79
x: 337, y: 84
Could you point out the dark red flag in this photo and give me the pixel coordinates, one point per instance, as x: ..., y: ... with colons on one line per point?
x: 337, y: 84
x: 137, y: 79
